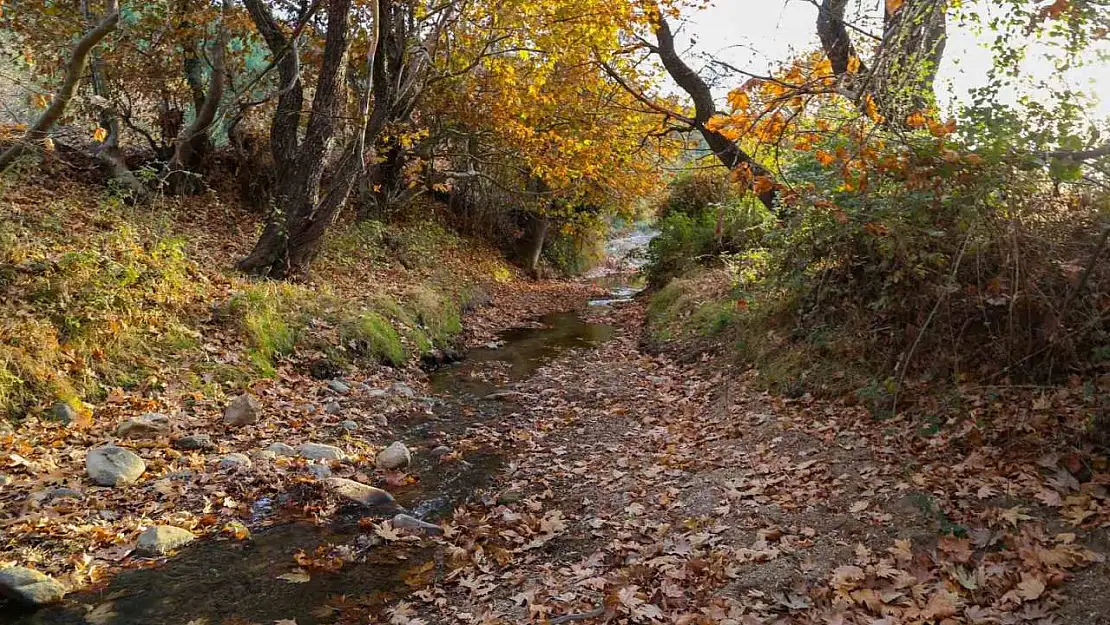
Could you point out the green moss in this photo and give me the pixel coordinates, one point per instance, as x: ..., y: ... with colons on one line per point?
x: 373, y: 335
x: 437, y: 315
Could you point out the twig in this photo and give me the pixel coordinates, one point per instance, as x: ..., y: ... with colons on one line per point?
x: 925, y: 326
x: 581, y: 616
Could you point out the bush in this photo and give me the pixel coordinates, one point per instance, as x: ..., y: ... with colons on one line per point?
x: 700, y: 221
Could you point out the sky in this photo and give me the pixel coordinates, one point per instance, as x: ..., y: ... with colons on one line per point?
x: 754, y: 34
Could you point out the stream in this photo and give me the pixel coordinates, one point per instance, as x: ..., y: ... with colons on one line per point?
x: 220, y: 581
x: 225, y: 581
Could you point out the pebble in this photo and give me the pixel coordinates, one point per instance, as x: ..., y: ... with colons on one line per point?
x: 320, y: 451
x: 194, y: 442
x: 362, y: 494
x: 413, y: 524
x: 233, y: 462
x: 339, y: 387
x: 319, y: 471
x: 149, y: 425
x: 396, y: 456
x: 243, y: 410
x: 441, y: 451
x: 333, y: 407
x: 29, y: 587
x: 400, y: 388
x: 162, y: 539
x: 63, y: 412
x: 349, y: 425
x: 113, y: 466
x: 282, y: 449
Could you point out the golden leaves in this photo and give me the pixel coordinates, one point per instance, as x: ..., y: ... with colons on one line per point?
x: 739, y: 100
x: 100, y: 134
x: 854, y: 64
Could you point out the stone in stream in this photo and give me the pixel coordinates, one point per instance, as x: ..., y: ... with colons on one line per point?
x: 362, y: 494
x: 320, y: 451
x: 394, y: 457
x: 113, y: 466
x: 29, y: 587
x: 243, y: 410
x: 282, y: 449
x: 400, y: 388
x: 162, y: 539
x: 194, y: 442
x: 415, y: 525
x: 149, y: 425
x: 233, y: 462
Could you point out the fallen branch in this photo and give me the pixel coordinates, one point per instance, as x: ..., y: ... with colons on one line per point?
x: 581, y: 616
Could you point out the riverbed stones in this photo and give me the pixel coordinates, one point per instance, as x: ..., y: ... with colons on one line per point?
x: 243, y: 410
x: 339, y: 386
x: 362, y: 494
x: 320, y: 451
x: 350, y: 426
x: 234, y: 462
x: 29, y: 587
x: 415, y: 525
x: 113, y: 466
x: 195, y: 442
x: 396, y: 456
x: 319, y: 471
x: 333, y: 407
x: 282, y: 449
x: 402, y: 389
x: 162, y: 539
x: 149, y: 425
x: 441, y: 451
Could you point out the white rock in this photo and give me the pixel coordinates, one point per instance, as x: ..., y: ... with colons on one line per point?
x: 113, y: 466
x: 413, y: 524
x: 162, y: 539
x: 29, y: 587
x: 320, y: 451
x: 362, y: 494
x: 394, y: 457
x: 282, y: 449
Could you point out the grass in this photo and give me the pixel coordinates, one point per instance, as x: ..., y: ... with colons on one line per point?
x: 99, y: 295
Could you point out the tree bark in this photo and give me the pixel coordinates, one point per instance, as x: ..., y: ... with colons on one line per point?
x: 727, y: 152
x: 295, y: 228
x: 75, y: 70
x: 194, y: 142
x: 539, y: 237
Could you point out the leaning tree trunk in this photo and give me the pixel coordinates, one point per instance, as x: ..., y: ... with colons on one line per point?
x: 539, y: 237
x: 727, y: 152
x: 292, y: 235
x: 75, y: 71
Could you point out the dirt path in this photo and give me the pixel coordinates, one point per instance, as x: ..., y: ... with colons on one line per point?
x: 647, y: 491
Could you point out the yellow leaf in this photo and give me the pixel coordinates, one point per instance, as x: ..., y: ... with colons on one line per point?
x: 825, y: 158
x: 100, y: 134
x: 738, y: 99
x: 48, y: 144
x: 853, y: 64
x: 892, y: 6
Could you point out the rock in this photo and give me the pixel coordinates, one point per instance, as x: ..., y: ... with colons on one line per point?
x: 51, y: 494
x: 339, y: 387
x: 413, y: 524
x: 162, y: 539
x: 265, y: 455
x: 381, y: 421
x: 319, y: 471
x: 243, y: 410
x: 113, y: 466
x: 29, y: 587
x: 320, y: 451
x: 234, y: 462
x: 500, y: 395
x: 441, y: 451
x: 282, y: 449
x: 394, y: 457
x: 400, y: 388
x: 375, y: 392
x: 195, y: 442
x: 509, y: 497
x: 349, y: 425
x: 63, y: 412
x: 149, y: 425
x: 333, y: 407
x: 362, y: 494
x: 494, y: 345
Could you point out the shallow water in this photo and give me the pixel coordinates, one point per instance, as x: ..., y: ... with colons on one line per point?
x: 220, y: 581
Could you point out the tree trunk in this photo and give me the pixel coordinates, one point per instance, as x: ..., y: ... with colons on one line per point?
x: 727, y: 152
x: 539, y: 237
x: 295, y: 228
x: 194, y: 143
x: 75, y: 70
